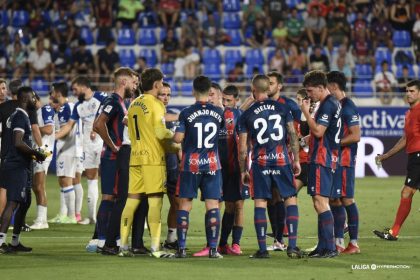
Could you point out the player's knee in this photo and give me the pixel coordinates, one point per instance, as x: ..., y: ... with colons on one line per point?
x: 335, y: 202
x: 347, y: 201
x: 407, y: 192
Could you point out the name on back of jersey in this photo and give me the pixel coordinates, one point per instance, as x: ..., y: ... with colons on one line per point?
x: 264, y: 107
x: 204, y: 112
x: 142, y: 106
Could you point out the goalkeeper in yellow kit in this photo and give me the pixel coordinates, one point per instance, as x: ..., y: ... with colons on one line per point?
x: 147, y: 173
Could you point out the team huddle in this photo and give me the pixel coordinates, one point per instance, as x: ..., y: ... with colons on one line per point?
x: 266, y: 149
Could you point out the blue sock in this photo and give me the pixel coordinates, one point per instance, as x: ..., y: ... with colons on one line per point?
x: 260, y: 222
x: 281, y: 217
x: 207, y: 229
x: 103, y: 216
x: 213, y: 225
x: 327, y: 229
x: 227, y: 225
x: 339, y: 214
x: 182, y: 222
x: 236, y: 234
x: 292, y: 220
x: 321, y: 243
x: 353, y: 221
x: 272, y: 216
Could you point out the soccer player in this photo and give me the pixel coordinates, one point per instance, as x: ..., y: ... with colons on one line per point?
x: 267, y: 124
x: 409, y: 141
x: 109, y: 125
x: 303, y: 132
x: 198, y: 130
x: 147, y: 173
x: 85, y: 110
x: 233, y: 216
x: 342, y: 196
x: 323, y: 153
x: 69, y: 151
x: 47, y: 127
x: 172, y: 160
x: 3, y: 91
x: 18, y: 165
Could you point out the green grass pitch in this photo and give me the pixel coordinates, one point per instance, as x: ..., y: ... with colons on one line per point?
x: 59, y: 252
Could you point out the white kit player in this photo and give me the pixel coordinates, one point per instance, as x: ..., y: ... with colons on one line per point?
x: 85, y: 111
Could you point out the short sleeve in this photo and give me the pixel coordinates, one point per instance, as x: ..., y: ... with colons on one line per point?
x: 18, y: 123
x: 100, y: 95
x: 241, y: 127
x: 75, y: 114
x: 33, y: 117
x: 325, y: 115
x: 110, y: 108
x: 351, y: 116
x: 181, y: 122
x: 47, y: 115
x: 64, y: 114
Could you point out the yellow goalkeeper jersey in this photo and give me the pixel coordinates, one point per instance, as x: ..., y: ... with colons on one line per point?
x: 146, y: 129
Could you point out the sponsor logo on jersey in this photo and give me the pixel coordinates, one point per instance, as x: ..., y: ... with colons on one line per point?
x: 108, y: 108
x: 275, y: 156
x: 202, y: 161
x: 271, y: 172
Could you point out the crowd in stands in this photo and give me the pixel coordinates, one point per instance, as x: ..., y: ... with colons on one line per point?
x: 375, y: 43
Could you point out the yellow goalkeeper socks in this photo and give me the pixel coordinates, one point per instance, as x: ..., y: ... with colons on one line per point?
x: 154, y: 219
x: 127, y: 220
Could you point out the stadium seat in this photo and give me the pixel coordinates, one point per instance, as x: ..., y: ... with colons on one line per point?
x: 293, y: 3
x: 167, y: 68
x: 250, y: 69
x: 211, y: 56
x: 126, y: 37
x: 20, y: 18
x: 86, y: 34
x: 150, y: 55
x: 40, y: 86
x: 254, y: 56
x: 399, y: 71
x: 403, y: 56
x: 147, y: 19
x: 382, y: 54
x: 147, y: 37
x: 401, y: 38
x: 4, y: 19
x: 362, y: 88
x: 363, y: 71
x: 235, y: 37
x: 231, y: 6
x: 127, y: 57
x: 233, y: 56
x: 212, y: 71
x: 186, y: 88
x: 231, y: 21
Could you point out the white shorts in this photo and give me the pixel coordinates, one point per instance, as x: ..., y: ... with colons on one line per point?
x: 92, y: 159
x: 42, y: 167
x: 80, y: 165
x: 66, y: 166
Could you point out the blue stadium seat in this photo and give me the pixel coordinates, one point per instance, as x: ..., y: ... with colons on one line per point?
x: 167, y: 68
x: 4, y: 19
x: 254, y: 56
x: 404, y: 56
x: 401, y: 38
x: 40, y: 86
x: 126, y: 37
x: 233, y: 56
x: 399, y: 71
x: 211, y: 56
x: 293, y: 3
x: 147, y: 19
x: 147, y: 37
x: 212, y: 71
x: 186, y: 88
x: 363, y: 71
x: 235, y: 37
x: 86, y: 34
x: 127, y: 57
x: 382, y: 54
x: 231, y: 20
x: 362, y: 88
x: 231, y: 5
x: 250, y: 68
x: 150, y: 55
x: 20, y: 18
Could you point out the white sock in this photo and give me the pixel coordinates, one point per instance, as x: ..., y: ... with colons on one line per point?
x: 101, y: 243
x: 118, y: 241
x: 171, y: 237
x: 15, y: 239
x: 3, y: 237
x: 340, y: 242
x: 93, y: 195
x: 63, y: 206
x: 354, y: 242
x: 41, y: 213
x: 78, y: 191
x: 70, y: 198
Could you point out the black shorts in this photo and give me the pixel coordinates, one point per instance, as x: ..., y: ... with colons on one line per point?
x: 413, y: 171
x: 303, y: 176
x: 16, y: 181
x: 123, y: 165
x: 231, y: 187
x: 171, y: 180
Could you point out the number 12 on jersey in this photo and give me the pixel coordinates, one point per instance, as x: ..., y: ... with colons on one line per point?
x: 210, y: 128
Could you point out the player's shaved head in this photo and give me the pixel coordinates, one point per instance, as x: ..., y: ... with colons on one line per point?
x: 123, y: 72
x: 261, y: 83
x: 201, y: 85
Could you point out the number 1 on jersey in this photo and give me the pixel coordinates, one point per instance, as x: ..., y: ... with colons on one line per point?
x: 136, y: 127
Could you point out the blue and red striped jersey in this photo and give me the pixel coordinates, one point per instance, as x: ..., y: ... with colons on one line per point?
x: 350, y: 117
x: 265, y: 122
x: 228, y: 141
x: 325, y: 150
x: 201, y: 124
x: 115, y: 109
x: 294, y: 108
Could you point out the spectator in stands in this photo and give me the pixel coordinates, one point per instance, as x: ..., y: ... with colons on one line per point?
x: 381, y: 33
x: 140, y: 65
x: 384, y: 83
x: 362, y: 49
x: 3, y: 63
x: 61, y: 63
x: 36, y: 21
x: 212, y: 32
x: 39, y: 62
x: 104, y: 17
x: 169, y: 8
x: 212, y: 6
x: 338, y: 28
x: 236, y: 75
x: 277, y: 62
x: 170, y: 47
x: 295, y: 28
x: 107, y: 61
x: 416, y: 32
x: 347, y: 55
x: 275, y: 10
x: 297, y: 60
x: 319, y: 6
x: 259, y: 37
x: 279, y: 33
x: 17, y: 60
x: 343, y: 67
x: 404, y: 79
x: 83, y: 13
x: 401, y: 15
x: 191, y: 33
x: 251, y: 13
x: 40, y: 36
x: 192, y: 61
x: 379, y: 10
x: 360, y: 25
x: 127, y: 14
x: 60, y: 27
x: 318, y: 60
x: 83, y: 60
x: 189, y: 5
x: 316, y: 28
